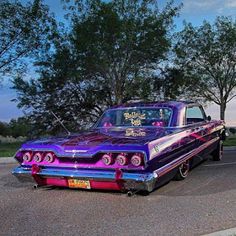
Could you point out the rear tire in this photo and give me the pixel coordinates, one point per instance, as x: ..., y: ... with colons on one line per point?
x: 144, y: 193
x: 218, y: 152
x: 183, y: 171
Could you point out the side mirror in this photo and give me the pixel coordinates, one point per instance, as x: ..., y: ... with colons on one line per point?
x: 209, y: 118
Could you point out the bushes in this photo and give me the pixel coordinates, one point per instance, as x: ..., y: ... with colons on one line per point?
x: 232, y: 130
x: 9, y: 149
x: 15, y: 128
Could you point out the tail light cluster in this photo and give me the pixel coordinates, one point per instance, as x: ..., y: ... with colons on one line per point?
x: 108, y: 159
x: 122, y: 159
x: 39, y: 157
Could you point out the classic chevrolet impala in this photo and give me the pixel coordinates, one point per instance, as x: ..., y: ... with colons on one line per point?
x: 133, y: 147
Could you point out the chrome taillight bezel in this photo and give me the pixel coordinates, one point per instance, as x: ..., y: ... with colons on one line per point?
x: 27, y: 157
x: 49, y: 157
x: 136, y: 160
x: 122, y: 159
x: 38, y: 157
x: 107, y: 159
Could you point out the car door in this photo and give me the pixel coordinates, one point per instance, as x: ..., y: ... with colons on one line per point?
x: 201, y: 128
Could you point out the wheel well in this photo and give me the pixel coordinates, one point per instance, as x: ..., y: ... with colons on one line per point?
x: 223, y: 135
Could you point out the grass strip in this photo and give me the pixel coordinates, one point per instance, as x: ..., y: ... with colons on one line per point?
x: 9, y: 149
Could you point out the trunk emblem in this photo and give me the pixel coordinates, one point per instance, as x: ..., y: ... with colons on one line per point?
x: 75, y: 151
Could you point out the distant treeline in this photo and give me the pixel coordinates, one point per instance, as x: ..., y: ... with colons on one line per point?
x: 15, y: 128
x: 232, y: 130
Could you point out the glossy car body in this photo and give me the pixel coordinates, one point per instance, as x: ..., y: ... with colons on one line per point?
x: 130, y: 157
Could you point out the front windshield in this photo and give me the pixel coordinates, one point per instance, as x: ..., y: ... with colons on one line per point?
x: 136, y: 117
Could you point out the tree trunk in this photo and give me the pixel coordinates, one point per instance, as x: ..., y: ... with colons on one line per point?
x: 222, y: 110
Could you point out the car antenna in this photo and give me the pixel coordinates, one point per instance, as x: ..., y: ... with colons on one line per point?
x: 69, y: 133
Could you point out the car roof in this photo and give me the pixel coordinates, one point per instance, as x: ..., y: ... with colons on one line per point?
x: 177, y: 104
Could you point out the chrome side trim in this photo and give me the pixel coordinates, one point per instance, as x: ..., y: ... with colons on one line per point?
x: 175, y: 163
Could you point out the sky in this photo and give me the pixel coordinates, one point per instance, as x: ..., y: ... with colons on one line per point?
x: 194, y: 11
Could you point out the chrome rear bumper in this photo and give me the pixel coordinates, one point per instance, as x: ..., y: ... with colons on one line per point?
x: 130, y: 181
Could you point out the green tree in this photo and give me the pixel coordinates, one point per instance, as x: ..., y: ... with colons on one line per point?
x: 4, y: 129
x: 207, y: 58
x: 25, y: 32
x: 112, y: 54
x: 170, y: 84
x: 16, y: 127
x: 19, y: 127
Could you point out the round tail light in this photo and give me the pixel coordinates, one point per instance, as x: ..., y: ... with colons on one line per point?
x: 107, y: 159
x: 49, y: 157
x: 121, y: 159
x: 136, y: 160
x: 38, y: 157
x: 27, y: 157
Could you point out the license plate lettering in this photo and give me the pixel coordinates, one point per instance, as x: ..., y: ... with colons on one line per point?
x: 76, y: 183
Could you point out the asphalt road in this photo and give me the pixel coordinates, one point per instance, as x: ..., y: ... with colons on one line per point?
x: 205, y: 202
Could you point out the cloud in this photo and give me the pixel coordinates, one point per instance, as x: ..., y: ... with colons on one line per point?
x: 199, y: 4
x: 217, y: 6
x: 231, y: 4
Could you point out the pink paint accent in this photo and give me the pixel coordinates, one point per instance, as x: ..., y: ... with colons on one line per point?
x: 107, y: 124
x: 62, y: 182
x: 35, y: 169
x: 34, y: 172
x: 197, y: 136
x: 158, y: 123
x: 105, y: 185
x: 119, y: 174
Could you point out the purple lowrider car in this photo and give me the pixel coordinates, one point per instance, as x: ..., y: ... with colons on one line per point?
x: 133, y: 147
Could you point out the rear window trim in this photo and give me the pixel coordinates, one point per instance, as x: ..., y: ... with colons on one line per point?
x: 125, y: 108
x: 203, y: 113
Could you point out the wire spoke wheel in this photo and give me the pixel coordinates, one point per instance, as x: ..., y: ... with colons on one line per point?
x: 183, y: 171
x: 218, y: 152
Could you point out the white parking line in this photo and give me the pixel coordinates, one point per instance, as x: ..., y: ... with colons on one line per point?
x: 222, y: 164
x: 227, y: 232
x: 7, y: 160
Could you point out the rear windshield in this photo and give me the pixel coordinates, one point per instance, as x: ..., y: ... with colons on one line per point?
x: 130, y: 117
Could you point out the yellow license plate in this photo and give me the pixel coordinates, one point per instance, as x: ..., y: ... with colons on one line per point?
x: 76, y: 183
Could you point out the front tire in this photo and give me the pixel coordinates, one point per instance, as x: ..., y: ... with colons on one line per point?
x: 218, y: 152
x: 183, y: 171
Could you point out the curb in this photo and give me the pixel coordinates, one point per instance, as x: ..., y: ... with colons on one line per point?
x: 230, y: 148
x: 227, y: 232
x: 7, y: 160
